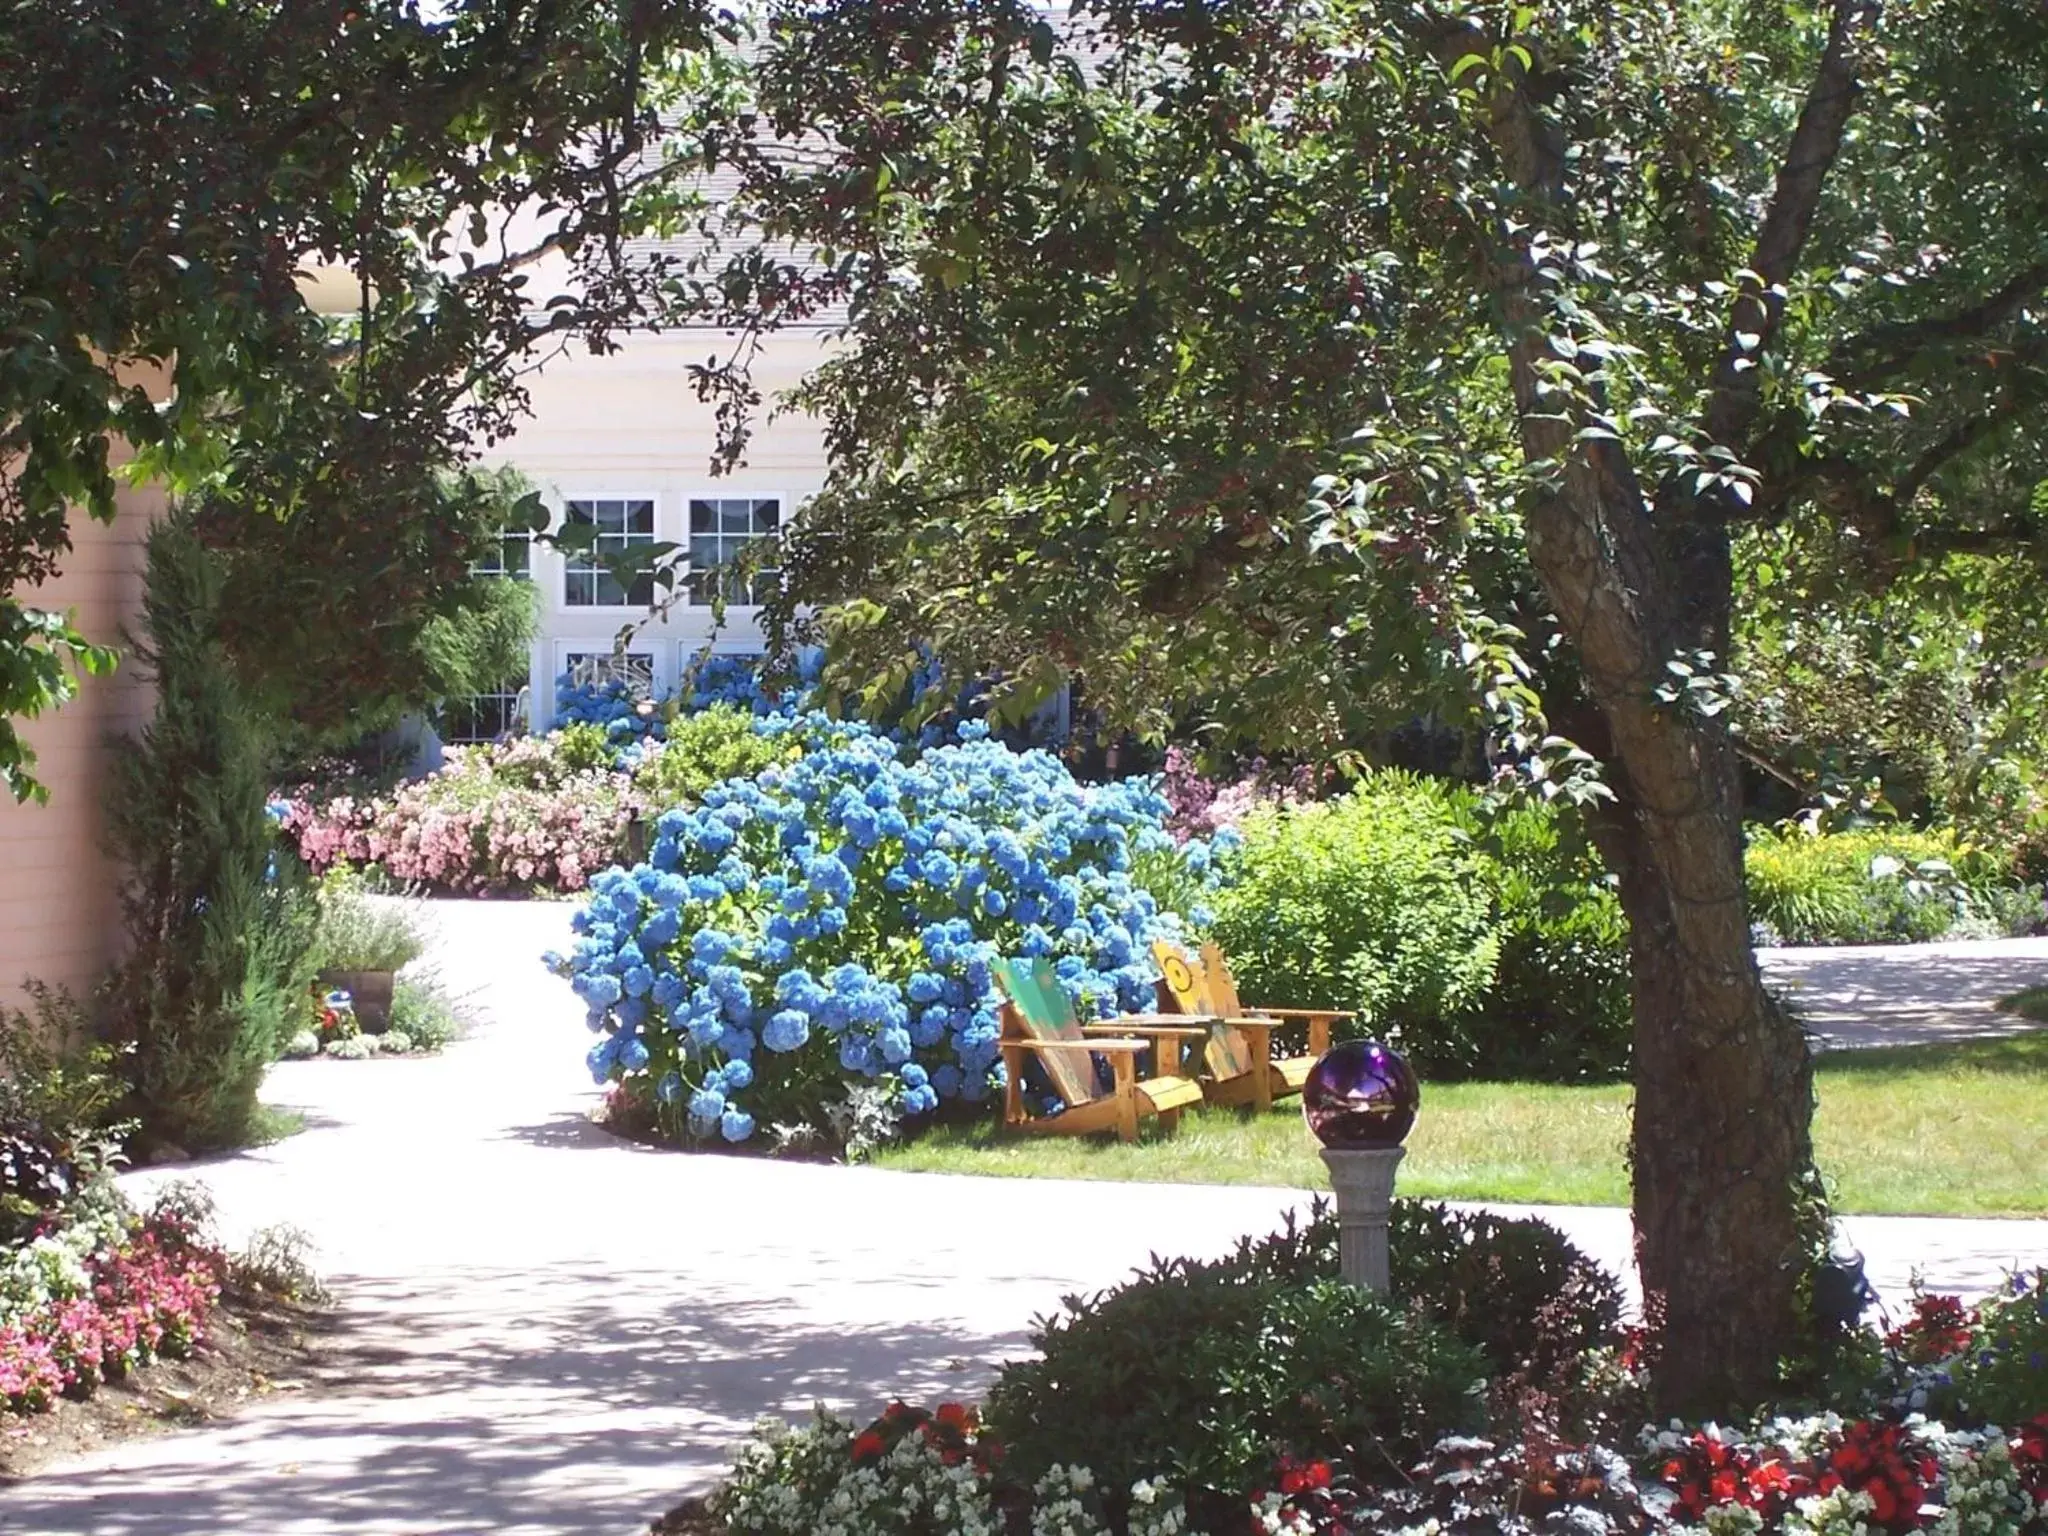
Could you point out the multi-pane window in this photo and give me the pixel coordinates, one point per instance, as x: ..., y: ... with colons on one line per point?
x: 510, y: 554
x: 485, y: 716
x: 635, y: 669
x: 732, y: 548
x: 623, y: 525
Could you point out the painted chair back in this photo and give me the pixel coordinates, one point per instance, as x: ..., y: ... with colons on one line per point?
x: 1041, y: 1007
x: 1222, y: 985
x: 1193, y: 985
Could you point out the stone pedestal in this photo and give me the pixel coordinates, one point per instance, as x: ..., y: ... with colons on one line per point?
x: 1363, y: 1180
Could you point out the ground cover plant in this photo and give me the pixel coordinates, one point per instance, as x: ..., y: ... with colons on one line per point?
x: 96, y: 1291
x: 424, y: 1019
x: 827, y: 927
x: 1945, y: 1130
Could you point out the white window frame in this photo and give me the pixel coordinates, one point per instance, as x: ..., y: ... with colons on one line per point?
x: 660, y: 660
x: 494, y: 564
x: 569, y: 558
x: 519, y: 695
x: 689, y: 536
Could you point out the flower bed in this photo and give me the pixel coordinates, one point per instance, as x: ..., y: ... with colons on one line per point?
x: 1053, y: 1451
x: 828, y: 926
x: 515, y: 817
x: 538, y: 814
x: 95, y: 1295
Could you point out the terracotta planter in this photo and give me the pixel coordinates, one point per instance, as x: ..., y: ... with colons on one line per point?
x: 370, y: 991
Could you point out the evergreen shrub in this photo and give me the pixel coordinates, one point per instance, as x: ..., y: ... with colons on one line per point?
x: 220, y: 927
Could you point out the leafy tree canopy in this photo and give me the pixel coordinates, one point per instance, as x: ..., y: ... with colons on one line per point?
x: 1208, y: 302
x: 170, y: 170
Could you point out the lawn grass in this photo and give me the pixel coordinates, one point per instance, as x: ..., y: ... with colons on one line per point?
x: 1948, y: 1130
x: 2028, y: 1003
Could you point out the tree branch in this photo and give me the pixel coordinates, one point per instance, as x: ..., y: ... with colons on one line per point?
x: 1868, y: 360
x: 1795, y: 199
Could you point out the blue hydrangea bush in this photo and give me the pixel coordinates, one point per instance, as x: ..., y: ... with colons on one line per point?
x: 612, y: 704
x: 827, y: 927
x: 744, y: 682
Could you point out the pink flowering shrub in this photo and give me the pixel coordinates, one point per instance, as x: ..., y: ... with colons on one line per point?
x: 1200, y: 806
x: 30, y: 1377
x: 148, y: 1294
x: 501, y: 818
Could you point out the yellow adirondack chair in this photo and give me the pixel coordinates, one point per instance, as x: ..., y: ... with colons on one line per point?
x: 1239, y: 1055
x: 1039, y: 1021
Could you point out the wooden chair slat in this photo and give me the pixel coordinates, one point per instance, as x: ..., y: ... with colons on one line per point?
x: 1241, y: 1066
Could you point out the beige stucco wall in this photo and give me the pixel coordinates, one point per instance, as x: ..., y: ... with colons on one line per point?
x: 59, y: 892
x: 630, y: 424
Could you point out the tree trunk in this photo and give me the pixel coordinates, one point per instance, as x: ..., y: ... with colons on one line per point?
x: 1726, y: 1201
x: 1724, y: 1189
x: 1721, y: 1155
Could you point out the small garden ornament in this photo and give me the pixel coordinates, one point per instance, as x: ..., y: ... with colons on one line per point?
x: 1360, y: 1102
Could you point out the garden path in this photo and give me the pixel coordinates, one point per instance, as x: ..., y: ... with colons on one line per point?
x: 1908, y: 994
x: 544, y: 1331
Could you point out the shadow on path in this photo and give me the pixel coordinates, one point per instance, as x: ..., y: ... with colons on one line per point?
x: 1908, y: 994
x: 568, y: 1422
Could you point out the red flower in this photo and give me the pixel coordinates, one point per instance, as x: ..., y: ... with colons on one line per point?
x: 2030, y: 1456
x: 957, y: 1417
x: 1711, y: 1472
x: 1939, y: 1329
x: 1303, y: 1476
x: 1880, y: 1460
x: 867, y: 1446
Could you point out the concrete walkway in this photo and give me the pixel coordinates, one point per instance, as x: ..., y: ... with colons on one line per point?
x: 1908, y: 994
x: 548, y: 1332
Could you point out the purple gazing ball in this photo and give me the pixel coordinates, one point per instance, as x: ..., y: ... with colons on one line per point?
x: 1361, y: 1094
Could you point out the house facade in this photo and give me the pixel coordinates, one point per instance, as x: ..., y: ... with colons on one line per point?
x: 622, y: 442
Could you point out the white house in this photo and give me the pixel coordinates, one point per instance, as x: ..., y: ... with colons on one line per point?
x: 624, y: 442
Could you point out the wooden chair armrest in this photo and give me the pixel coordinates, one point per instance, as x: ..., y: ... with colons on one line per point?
x: 1264, y: 1026
x: 1137, y: 1022
x: 1108, y: 1047
x: 1306, y: 1013
x: 1128, y: 1026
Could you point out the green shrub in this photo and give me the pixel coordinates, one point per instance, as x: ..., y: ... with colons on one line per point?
x: 360, y: 934
x: 1482, y: 943
x: 1208, y: 1377
x: 1559, y: 1007
x: 422, y: 1012
x: 54, y: 1074
x: 1873, y: 885
x: 2003, y: 1377
x: 1518, y: 1290
x: 704, y: 749
x: 221, y: 928
x: 1376, y: 902
x: 1212, y: 1368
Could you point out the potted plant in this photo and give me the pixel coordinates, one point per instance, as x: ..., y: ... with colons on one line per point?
x: 362, y: 945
